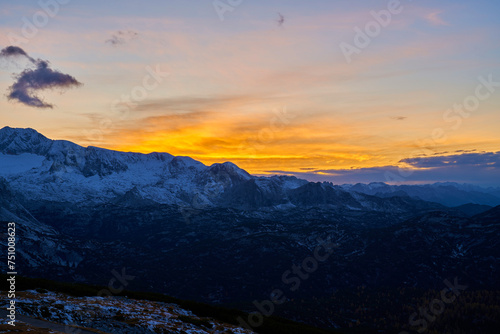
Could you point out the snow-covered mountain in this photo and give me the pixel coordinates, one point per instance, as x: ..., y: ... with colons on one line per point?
x: 62, y: 171
x: 40, y: 169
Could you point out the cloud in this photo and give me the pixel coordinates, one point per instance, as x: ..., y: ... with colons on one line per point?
x: 465, y: 151
x: 280, y: 20
x: 15, y: 51
x: 399, y: 118
x: 43, y: 77
x: 434, y: 19
x: 476, y: 168
x: 185, y: 104
x: 490, y: 159
x: 121, y: 37
x: 29, y: 81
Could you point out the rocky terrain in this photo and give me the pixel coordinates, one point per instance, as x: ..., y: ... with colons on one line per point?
x: 115, y: 315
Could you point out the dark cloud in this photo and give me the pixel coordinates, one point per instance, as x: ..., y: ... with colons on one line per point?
x: 115, y: 40
x: 15, y: 51
x: 476, y: 168
x: 43, y: 77
x: 465, y: 151
x: 399, y: 118
x: 465, y: 159
x: 121, y: 37
x: 280, y: 20
x: 31, y: 80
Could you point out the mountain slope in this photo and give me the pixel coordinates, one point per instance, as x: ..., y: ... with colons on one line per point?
x: 37, y: 244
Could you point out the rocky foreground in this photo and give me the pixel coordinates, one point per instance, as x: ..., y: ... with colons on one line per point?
x: 109, y: 315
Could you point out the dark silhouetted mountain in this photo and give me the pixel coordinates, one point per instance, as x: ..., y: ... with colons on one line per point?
x: 471, y: 209
x: 449, y: 193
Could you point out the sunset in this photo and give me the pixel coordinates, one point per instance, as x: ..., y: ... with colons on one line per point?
x: 246, y: 166
x: 293, y: 97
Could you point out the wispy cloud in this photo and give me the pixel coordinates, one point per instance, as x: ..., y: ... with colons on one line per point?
x: 121, y: 37
x: 195, y: 103
x: 434, y: 18
x: 280, y: 20
x: 399, y: 118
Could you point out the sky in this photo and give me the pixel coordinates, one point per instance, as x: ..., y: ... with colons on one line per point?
x: 342, y: 91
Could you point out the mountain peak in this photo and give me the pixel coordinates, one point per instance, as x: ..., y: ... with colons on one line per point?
x: 19, y: 131
x: 23, y: 140
x: 230, y: 169
x: 8, y: 131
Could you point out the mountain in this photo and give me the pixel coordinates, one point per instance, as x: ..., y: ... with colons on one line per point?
x: 38, y: 245
x: 471, y: 209
x: 446, y: 193
x: 220, y: 235
x: 63, y: 172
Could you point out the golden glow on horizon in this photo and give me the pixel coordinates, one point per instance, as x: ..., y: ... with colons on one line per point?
x: 257, y: 142
x: 296, y: 149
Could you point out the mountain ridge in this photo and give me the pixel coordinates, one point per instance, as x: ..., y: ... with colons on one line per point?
x: 62, y: 171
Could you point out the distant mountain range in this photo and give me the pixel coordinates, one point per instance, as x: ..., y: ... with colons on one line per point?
x: 61, y: 171
x: 218, y: 234
x: 447, y: 193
